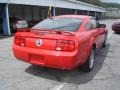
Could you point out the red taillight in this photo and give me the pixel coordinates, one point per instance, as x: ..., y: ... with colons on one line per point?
x: 65, y: 45
x: 20, y: 40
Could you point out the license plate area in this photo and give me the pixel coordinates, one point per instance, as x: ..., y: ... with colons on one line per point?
x: 36, y: 58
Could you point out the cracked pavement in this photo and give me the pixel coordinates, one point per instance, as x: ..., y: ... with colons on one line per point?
x: 18, y: 75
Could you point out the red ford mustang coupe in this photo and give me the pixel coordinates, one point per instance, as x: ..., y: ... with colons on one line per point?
x: 61, y: 42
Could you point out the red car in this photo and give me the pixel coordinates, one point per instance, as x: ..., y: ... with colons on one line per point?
x: 61, y: 42
x: 116, y: 26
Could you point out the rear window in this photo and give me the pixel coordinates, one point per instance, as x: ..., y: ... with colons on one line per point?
x: 58, y: 23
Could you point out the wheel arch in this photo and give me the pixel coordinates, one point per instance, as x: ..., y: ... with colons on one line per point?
x: 91, y: 45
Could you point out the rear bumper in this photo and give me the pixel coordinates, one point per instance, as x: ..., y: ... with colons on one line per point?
x: 46, y: 58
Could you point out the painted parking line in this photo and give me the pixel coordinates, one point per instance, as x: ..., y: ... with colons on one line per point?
x: 59, y: 87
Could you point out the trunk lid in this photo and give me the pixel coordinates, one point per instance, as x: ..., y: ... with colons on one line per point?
x: 45, y: 39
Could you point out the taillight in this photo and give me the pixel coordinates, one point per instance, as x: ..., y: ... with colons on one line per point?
x: 65, y: 45
x: 20, y: 40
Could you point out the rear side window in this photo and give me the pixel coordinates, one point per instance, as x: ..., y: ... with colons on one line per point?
x: 94, y: 23
x: 60, y: 23
x: 88, y: 26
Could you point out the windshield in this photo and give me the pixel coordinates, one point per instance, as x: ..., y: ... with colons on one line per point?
x: 58, y: 23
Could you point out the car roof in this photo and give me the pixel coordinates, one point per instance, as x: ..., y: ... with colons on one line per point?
x: 76, y: 16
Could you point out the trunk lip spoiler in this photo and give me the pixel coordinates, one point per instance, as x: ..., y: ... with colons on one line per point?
x: 44, y: 31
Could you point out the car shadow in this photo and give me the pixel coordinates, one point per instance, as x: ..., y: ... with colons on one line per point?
x: 2, y: 36
x: 76, y: 76
x: 117, y: 33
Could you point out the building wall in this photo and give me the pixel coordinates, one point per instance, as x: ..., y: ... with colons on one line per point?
x: 71, y: 4
x: 113, y: 12
x: 16, y: 11
x: 38, y: 9
x: 64, y: 11
x: 82, y: 12
x: 39, y: 13
x: 28, y: 12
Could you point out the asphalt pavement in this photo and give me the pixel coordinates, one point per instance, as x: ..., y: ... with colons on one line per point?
x: 18, y: 75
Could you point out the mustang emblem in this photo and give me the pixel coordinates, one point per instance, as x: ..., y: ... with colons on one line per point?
x: 39, y: 42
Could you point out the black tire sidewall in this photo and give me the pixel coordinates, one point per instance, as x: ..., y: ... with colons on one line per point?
x: 86, y: 66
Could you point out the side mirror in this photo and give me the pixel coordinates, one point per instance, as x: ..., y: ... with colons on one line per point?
x: 102, y: 25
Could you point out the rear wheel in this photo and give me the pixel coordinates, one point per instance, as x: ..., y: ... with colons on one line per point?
x: 116, y: 32
x: 104, y: 43
x: 90, y: 62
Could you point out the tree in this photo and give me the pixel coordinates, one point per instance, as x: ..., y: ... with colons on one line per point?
x: 94, y: 2
x: 102, y: 4
x: 113, y: 5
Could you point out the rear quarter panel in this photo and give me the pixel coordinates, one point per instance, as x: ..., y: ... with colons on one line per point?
x: 86, y: 39
x: 83, y: 39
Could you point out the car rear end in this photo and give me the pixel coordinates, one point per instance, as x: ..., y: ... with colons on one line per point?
x: 54, y: 51
x: 56, y: 47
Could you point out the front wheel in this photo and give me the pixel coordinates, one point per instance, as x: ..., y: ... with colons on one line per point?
x: 90, y: 62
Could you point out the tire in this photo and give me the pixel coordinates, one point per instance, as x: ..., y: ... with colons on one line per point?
x: 116, y: 32
x: 88, y: 66
x: 104, y: 43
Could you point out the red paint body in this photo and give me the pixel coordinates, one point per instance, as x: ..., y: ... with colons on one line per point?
x: 80, y: 44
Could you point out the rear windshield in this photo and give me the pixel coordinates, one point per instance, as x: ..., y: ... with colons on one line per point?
x: 57, y: 23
